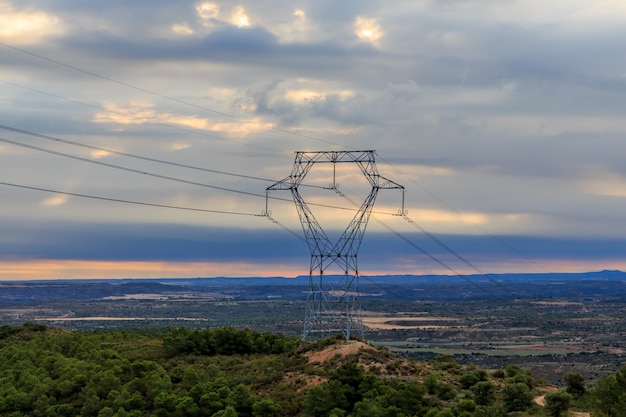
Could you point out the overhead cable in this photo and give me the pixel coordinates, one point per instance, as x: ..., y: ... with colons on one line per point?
x: 461, y: 216
x: 166, y: 177
x: 453, y: 252
x: 130, y: 155
x: 168, y: 125
x: 157, y: 94
x: 179, y: 101
x: 435, y: 259
x: 118, y: 200
x: 435, y: 240
x: 135, y: 171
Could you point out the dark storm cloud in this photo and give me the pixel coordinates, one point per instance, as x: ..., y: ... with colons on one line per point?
x: 249, y: 46
x: 144, y: 242
x: 227, y: 42
x: 178, y: 243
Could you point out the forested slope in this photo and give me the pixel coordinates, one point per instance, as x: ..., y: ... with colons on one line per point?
x: 226, y: 372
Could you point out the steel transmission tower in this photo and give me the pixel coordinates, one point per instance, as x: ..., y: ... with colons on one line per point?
x: 333, y: 301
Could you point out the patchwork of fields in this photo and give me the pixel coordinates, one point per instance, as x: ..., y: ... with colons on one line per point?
x: 583, y: 330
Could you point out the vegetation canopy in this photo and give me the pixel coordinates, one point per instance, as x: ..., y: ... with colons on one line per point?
x: 46, y: 371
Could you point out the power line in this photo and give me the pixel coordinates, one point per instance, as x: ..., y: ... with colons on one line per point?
x: 130, y: 155
x: 155, y: 93
x: 179, y: 101
x: 164, y: 96
x: 118, y: 200
x: 461, y: 216
x: 182, y: 129
x: 276, y: 222
x: 160, y: 176
x: 453, y: 252
x: 141, y: 203
x: 135, y: 171
x: 434, y: 239
x: 435, y: 259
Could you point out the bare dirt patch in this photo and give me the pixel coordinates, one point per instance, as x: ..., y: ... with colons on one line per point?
x: 369, y: 357
x: 541, y: 399
x: 405, y: 322
x: 343, y: 349
x: 558, y: 303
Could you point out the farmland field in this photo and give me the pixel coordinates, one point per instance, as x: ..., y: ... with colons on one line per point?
x: 581, y: 330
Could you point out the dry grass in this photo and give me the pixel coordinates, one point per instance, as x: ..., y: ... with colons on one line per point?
x: 406, y: 322
x: 342, y: 349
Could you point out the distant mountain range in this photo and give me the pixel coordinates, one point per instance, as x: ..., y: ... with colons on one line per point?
x: 405, y: 287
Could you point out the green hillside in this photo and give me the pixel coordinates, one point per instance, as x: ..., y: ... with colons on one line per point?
x: 47, y: 371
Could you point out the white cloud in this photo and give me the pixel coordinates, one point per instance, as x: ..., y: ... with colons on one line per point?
x: 139, y: 112
x: 99, y: 154
x: 295, y: 28
x: 56, y: 200
x: 178, y: 146
x: 239, y: 17
x: 368, y: 30
x: 23, y: 26
x: 241, y: 128
x: 182, y: 29
x: 599, y: 181
x: 305, y: 93
x: 207, y: 10
x: 143, y: 112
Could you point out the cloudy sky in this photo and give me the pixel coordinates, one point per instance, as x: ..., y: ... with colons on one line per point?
x: 503, y: 120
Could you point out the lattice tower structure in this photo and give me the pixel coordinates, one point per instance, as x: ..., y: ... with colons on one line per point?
x: 333, y: 302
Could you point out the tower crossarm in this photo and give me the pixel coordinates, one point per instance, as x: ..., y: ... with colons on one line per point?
x: 369, y: 170
x: 334, y: 156
x: 387, y: 184
x: 285, y: 184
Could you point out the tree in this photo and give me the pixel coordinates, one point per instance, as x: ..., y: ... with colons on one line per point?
x: 445, y: 391
x: 492, y: 411
x: 557, y: 403
x: 468, y: 380
x: 446, y: 412
x: 243, y: 400
x: 430, y: 382
x: 517, y: 396
x: 350, y: 375
x: 409, y: 398
x: 610, y: 394
x: 466, y: 405
x: 368, y: 408
x: 484, y: 392
x: 229, y: 411
x: 266, y: 408
x: 511, y: 370
x: 186, y: 407
x: 575, y: 384
x: 165, y: 403
x: 524, y: 377
x: 321, y: 399
x: 444, y: 361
